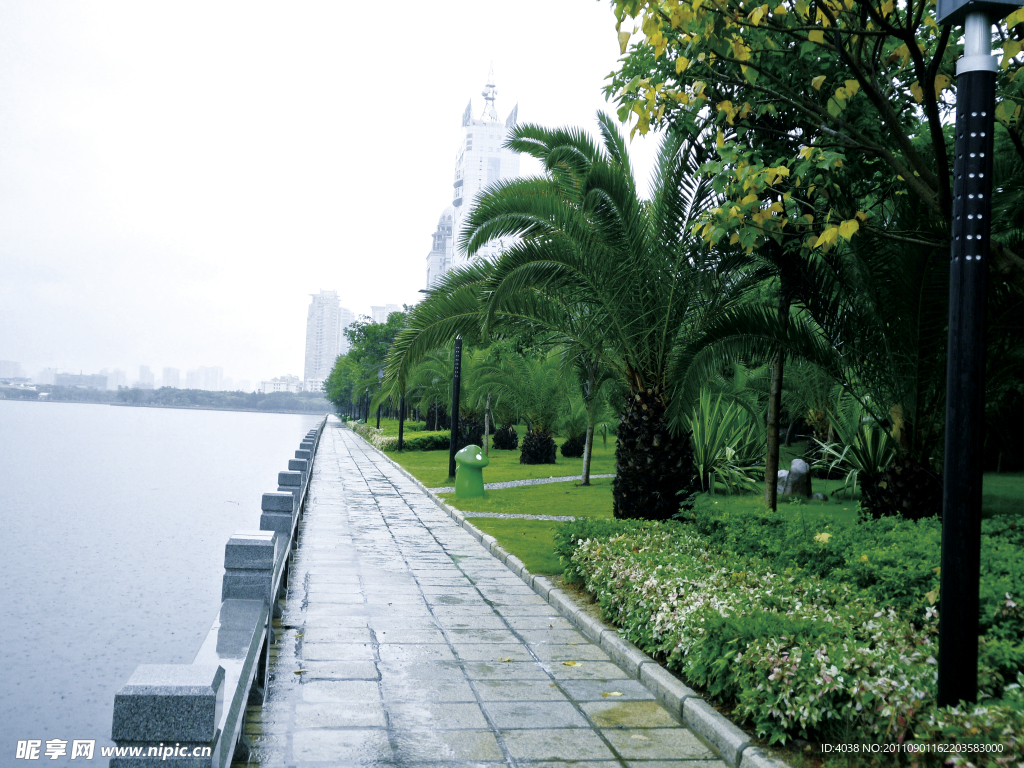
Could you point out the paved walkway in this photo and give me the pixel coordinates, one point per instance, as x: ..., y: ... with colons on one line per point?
x: 406, y: 643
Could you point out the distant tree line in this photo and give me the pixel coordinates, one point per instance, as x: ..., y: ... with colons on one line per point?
x: 305, y: 402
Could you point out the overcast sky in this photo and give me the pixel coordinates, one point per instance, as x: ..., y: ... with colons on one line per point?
x: 177, y: 177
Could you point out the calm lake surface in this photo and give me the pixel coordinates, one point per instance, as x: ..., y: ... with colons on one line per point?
x: 114, y: 526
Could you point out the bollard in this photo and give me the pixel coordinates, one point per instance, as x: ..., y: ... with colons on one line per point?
x: 249, y: 561
x: 304, y: 454
x: 299, y: 465
x: 170, y: 703
x: 291, y: 482
x: 277, y: 513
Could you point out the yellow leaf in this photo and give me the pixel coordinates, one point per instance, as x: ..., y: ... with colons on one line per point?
x: 1015, y: 18
x: 816, y: 36
x: 1005, y: 110
x: 734, y: 239
x: 941, y: 83
x: 570, y: 663
x: 806, y: 152
x: 932, y: 596
x: 823, y: 537
x: 816, y: 83
x: 863, y: 559
x: 300, y: 671
x: 862, y: 216
x: 886, y: 8
x: 780, y: 10
x: 848, y: 227
x: 915, y: 88
x: 827, y: 237
x: 623, y: 41
x: 505, y: 658
x: 852, y: 86
x: 681, y: 64
x: 612, y: 693
x: 720, y: 140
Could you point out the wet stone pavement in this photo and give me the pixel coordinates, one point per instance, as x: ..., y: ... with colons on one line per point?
x: 404, y: 642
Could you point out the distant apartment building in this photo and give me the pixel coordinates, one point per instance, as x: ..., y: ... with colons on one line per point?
x: 11, y: 370
x: 282, y: 384
x: 171, y: 377
x: 115, y: 378
x: 211, y: 379
x: 381, y: 314
x: 326, y: 321
x: 146, y: 378
x: 83, y: 381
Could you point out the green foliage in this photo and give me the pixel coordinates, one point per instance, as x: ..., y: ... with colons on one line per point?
x: 356, y: 375
x: 820, y: 630
x: 429, y: 441
x: 728, y: 443
x: 864, y: 448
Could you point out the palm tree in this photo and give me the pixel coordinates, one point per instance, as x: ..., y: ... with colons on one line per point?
x: 633, y: 272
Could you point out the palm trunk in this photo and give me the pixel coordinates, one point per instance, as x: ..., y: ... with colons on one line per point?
x: 771, y: 463
x: 487, y: 423
x: 653, y: 467
x: 588, y: 449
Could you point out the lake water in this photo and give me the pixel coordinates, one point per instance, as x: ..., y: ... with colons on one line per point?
x: 112, y: 544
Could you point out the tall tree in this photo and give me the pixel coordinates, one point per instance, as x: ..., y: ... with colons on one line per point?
x: 861, y: 92
x: 633, y: 268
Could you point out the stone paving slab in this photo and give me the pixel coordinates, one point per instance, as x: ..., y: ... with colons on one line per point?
x: 404, y: 642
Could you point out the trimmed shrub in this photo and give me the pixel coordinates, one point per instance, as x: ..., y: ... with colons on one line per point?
x: 506, y: 438
x: 820, y: 632
x: 538, y: 448
x: 573, y: 447
x: 429, y: 441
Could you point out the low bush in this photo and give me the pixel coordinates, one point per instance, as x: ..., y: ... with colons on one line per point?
x: 429, y: 441
x: 423, y: 441
x: 819, y: 632
x: 573, y: 447
x: 538, y: 448
x: 506, y: 438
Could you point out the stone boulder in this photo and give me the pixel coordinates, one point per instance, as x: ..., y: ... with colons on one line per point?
x: 798, y: 479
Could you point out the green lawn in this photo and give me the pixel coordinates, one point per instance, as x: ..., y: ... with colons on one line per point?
x: 532, y: 541
x: 594, y: 500
x: 431, y: 467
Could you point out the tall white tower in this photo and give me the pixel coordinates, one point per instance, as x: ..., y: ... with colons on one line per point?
x: 479, y: 162
x: 326, y: 321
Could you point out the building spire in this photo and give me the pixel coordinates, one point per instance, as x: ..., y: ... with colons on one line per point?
x: 490, y: 93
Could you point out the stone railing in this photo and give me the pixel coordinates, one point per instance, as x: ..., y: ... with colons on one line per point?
x: 192, y: 714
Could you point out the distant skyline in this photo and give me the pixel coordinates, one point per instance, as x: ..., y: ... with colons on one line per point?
x: 176, y: 179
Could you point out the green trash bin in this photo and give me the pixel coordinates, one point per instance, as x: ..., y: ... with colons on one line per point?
x: 469, y: 474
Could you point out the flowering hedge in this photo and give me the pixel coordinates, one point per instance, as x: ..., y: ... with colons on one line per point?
x: 793, y: 653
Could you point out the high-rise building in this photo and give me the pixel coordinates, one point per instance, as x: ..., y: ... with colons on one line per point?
x: 326, y: 321
x: 115, y: 378
x: 146, y: 378
x: 171, y: 377
x: 11, y: 370
x: 381, y: 314
x: 205, y: 378
x: 481, y: 160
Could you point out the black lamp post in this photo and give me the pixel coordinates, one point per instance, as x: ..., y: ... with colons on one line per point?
x: 456, y: 384
x: 965, y: 371
x: 380, y: 378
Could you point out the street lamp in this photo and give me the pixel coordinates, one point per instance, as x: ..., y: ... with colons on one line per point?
x: 965, y: 367
x: 380, y: 378
x: 456, y: 384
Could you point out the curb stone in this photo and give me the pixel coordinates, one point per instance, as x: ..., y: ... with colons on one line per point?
x: 734, y: 745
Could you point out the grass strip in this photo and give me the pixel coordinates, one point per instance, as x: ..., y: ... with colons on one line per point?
x: 532, y: 541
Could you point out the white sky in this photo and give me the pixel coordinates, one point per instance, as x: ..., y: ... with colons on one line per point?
x: 177, y: 177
